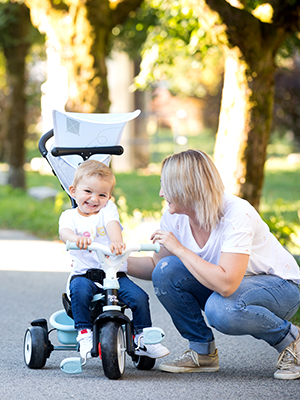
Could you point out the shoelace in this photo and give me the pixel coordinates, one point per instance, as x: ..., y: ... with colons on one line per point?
x: 286, y: 359
x: 187, y: 354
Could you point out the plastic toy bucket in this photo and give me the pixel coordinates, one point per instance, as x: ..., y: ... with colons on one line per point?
x: 66, y: 333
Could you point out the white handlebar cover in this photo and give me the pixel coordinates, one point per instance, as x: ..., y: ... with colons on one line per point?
x: 113, y: 260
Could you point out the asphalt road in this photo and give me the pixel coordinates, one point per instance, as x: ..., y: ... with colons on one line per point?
x: 33, y: 275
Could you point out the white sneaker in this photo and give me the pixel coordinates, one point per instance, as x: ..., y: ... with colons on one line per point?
x: 149, y: 350
x: 288, y: 362
x: 85, y: 340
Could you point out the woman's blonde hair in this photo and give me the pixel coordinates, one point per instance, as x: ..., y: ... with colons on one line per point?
x: 94, y: 168
x: 190, y: 179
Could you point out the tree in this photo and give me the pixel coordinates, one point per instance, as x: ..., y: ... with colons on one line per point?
x: 81, y: 31
x: 286, y: 116
x: 16, y: 37
x: 251, y: 35
x: 251, y: 39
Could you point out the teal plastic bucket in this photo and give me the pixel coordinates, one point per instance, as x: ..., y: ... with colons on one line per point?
x: 66, y: 333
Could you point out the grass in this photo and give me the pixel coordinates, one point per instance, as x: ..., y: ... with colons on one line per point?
x: 139, y: 190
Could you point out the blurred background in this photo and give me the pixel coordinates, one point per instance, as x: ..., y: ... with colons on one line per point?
x: 222, y: 77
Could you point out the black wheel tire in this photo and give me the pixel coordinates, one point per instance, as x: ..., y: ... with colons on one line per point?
x: 35, y: 347
x: 113, y: 350
x: 144, y: 363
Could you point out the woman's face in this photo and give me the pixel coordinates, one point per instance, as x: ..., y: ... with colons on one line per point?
x: 173, y: 208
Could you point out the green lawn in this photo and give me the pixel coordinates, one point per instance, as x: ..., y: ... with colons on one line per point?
x: 140, y: 191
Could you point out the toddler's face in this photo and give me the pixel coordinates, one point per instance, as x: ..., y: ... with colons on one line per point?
x: 91, y: 194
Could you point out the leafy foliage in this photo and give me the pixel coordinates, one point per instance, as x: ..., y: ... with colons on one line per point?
x: 177, y: 48
x: 131, y: 35
x: 12, y: 32
x: 281, y: 230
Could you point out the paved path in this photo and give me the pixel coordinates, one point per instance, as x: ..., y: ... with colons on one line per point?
x: 33, y: 274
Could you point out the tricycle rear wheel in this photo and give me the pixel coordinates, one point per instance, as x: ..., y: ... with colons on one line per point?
x: 35, y: 347
x: 144, y: 363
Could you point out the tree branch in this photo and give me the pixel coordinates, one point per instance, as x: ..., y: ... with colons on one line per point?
x: 120, y: 13
x: 241, y: 24
x: 286, y: 15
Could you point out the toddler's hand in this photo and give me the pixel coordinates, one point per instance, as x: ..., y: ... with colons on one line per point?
x: 117, y: 248
x: 83, y: 242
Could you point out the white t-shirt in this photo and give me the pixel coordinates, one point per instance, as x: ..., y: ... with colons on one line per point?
x: 240, y: 230
x: 92, y: 226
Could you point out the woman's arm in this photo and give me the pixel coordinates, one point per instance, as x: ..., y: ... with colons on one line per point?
x: 223, y: 278
x: 142, y: 267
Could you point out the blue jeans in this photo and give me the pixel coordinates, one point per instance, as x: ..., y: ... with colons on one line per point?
x: 259, y: 307
x: 82, y: 291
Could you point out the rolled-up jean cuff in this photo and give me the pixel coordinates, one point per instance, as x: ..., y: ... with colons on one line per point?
x: 290, y: 337
x: 203, y: 348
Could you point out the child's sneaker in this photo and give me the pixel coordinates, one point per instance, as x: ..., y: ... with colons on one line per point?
x: 149, y: 350
x: 85, y: 340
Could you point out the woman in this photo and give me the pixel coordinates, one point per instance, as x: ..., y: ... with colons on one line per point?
x: 218, y: 256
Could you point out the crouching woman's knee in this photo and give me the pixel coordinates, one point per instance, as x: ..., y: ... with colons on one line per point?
x: 165, y: 273
x: 221, y: 313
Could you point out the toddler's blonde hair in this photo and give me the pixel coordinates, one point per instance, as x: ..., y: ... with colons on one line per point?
x: 94, y: 168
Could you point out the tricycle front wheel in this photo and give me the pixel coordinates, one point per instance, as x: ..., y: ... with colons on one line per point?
x: 113, y: 350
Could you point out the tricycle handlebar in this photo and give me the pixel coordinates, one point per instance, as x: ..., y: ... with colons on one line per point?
x: 117, y: 261
x: 150, y: 247
x: 106, y: 250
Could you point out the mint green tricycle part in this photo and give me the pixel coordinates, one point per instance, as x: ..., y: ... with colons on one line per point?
x: 71, y: 365
x: 150, y: 247
x: 66, y: 333
x: 153, y: 335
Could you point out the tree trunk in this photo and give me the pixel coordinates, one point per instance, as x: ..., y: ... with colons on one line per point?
x: 141, y: 140
x: 245, y: 123
x: 247, y: 103
x: 80, y: 31
x: 99, y: 17
x: 15, y: 54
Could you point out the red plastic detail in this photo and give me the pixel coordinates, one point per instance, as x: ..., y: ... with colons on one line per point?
x: 99, y: 351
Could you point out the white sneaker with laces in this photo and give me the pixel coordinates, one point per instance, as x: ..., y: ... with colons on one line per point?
x: 85, y: 340
x: 149, y: 350
x: 288, y: 362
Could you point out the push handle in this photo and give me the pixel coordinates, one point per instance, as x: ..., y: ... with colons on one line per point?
x: 42, y: 142
x: 87, y: 152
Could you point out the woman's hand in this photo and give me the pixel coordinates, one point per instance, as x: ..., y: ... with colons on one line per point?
x: 166, y: 239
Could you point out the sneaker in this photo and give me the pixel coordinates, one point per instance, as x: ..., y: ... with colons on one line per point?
x: 190, y: 361
x: 288, y: 362
x: 149, y: 350
x: 85, y: 340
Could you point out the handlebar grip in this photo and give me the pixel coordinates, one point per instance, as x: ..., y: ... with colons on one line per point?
x: 71, y: 245
x: 150, y: 247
